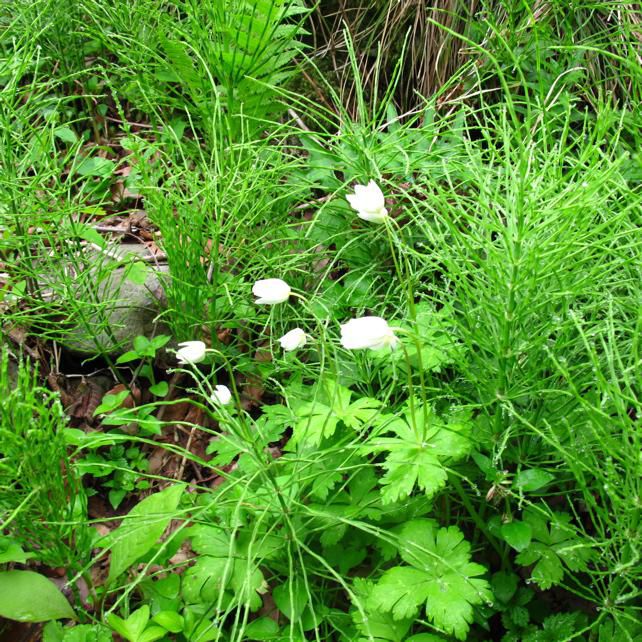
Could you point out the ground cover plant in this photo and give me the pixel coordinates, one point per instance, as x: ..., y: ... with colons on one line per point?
x: 320, y: 321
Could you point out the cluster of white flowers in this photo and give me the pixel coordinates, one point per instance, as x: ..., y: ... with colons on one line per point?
x: 367, y: 332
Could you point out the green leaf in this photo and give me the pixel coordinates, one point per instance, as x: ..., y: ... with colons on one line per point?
x: 137, y: 273
x: 291, y: 599
x: 504, y: 585
x: 128, y: 357
x: 11, y: 551
x: 169, y: 620
x: 441, y: 575
x: 91, y: 235
x: 401, y: 590
x: 160, y: 389
x: 111, y: 402
x: 26, y: 596
x: 424, y: 445
x: 66, y: 135
x: 131, y: 628
x: 554, y: 543
x: 152, y: 634
x: 517, y: 534
x: 315, y: 421
x: 56, y: 632
x: 142, y: 528
x: 532, y: 479
x: 96, y: 166
x: 376, y: 624
x: 263, y: 628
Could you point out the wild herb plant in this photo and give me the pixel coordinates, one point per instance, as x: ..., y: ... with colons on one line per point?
x: 425, y: 426
x: 43, y: 503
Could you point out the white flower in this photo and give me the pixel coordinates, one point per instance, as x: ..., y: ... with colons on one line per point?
x: 293, y: 339
x: 369, y: 202
x: 271, y: 291
x: 367, y: 332
x: 191, y: 352
x: 222, y: 395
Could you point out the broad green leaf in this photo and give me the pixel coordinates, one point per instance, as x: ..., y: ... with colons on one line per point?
x: 111, y: 402
x: 128, y: 357
x: 169, y: 620
x: 96, y: 166
x: 554, y: 543
x: 204, y: 581
x: 142, y: 528
x: 504, y: 585
x: 26, y: 596
x: 401, y: 590
x: 263, y: 628
x: 66, y: 134
x: 137, y: 272
x: 88, y: 233
x: 159, y: 389
x: 532, y: 479
x: 517, y: 534
x: 315, y: 421
x: 291, y: 599
x: 11, y: 551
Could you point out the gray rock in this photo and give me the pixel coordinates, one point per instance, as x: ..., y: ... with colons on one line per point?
x: 118, y: 307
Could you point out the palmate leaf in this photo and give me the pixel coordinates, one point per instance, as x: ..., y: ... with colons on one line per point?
x: 440, y: 574
x: 318, y: 419
x: 554, y: 545
x: 418, y: 455
x: 380, y: 625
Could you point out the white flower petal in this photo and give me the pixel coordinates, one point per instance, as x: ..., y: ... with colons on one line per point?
x: 367, y: 332
x: 191, y: 352
x: 222, y: 395
x: 271, y: 291
x: 293, y: 339
x: 369, y: 202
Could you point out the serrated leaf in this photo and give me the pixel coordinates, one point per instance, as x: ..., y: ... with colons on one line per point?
x: 142, y: 528
x: 26, y: 596
x: 315, y: 421
x: 441, y: 575
x: 553, y: 542
x: 376, y: 624
x: 401, y: 591
x: 424, y: 445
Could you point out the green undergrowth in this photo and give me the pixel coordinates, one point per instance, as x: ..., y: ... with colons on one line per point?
x: 480, y: 481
